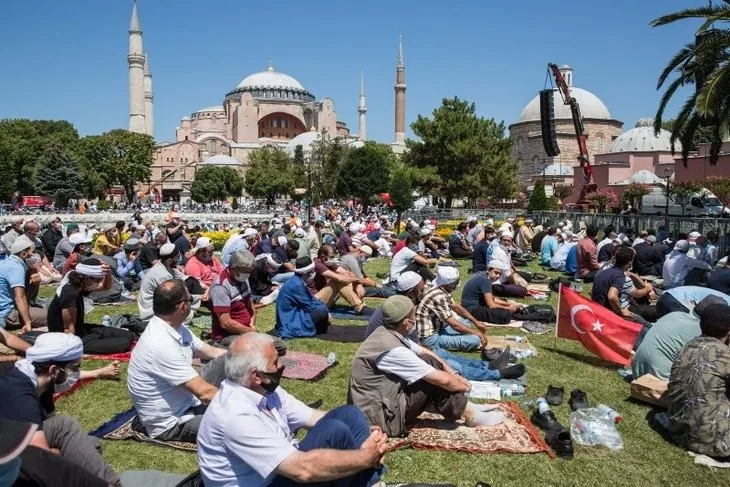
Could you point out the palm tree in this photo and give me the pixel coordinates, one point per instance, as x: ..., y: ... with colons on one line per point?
x: 704, y: 63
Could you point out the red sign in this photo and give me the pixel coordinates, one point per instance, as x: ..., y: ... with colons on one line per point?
x: 35, y: 201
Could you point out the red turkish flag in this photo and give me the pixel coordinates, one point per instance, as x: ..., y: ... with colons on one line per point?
x: 599, y: 329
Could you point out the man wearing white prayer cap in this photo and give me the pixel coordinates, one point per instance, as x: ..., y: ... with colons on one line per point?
x: 438, y: 317
x: 51, y: 365
x: 15, y: 309
x: 478, y: 296
x: 411, y: 285
x: 16, y: 230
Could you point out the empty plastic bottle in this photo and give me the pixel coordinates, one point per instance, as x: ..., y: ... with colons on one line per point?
x: 512, y: 390
x: 542, y: 405
x: 610, y: 413
x: 331, y: 358
x: 106, y: 320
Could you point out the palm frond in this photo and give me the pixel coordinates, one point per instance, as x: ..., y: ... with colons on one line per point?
x: 687, y: 135
x: 671, y: 89
x: 712, y: 92
x: 683, y: 56
x: 717, y: 12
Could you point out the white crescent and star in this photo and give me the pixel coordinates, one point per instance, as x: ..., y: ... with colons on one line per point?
x: 597, y: 325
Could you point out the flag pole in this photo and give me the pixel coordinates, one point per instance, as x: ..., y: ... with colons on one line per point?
x: 557, y: 317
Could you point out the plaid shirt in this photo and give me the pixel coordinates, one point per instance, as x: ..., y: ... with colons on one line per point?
x: 433, y: 311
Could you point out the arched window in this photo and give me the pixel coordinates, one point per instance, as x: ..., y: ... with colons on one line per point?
x: 214, y: 146
x: 279, y: 134
x: 287, y: 135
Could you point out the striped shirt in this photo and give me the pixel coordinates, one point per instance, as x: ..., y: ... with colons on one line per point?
x: 433, y: 311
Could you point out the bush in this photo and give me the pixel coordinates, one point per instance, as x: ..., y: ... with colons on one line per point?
x: 104, y: 205
x: 218, y: 238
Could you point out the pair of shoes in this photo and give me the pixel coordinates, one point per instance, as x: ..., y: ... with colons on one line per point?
x: 546, y: 421
x: 578, y: 400
x: 497, y: 362
x: 512, y: 371
x: 554, y: 396
x: 490, y: 354
x: 561, y: 443
x: 535, y: 327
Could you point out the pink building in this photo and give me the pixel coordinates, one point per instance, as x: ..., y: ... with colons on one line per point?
x: 637, y: 155
x: 698, y: 164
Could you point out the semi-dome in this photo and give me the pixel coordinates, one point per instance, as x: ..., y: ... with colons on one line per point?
x: 642, y: 138
x: 221, y: 160
x: 642, y: 177
x: 305, y: 139
x: 213, y: 108
x: 557, y: 170
x: 590, y: 107
x: 271, y: 79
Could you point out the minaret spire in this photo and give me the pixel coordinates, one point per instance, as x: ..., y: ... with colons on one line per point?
x: 136, y: 61
x: 400, y: 101
x: 362, y: 109
x: 149, y: 97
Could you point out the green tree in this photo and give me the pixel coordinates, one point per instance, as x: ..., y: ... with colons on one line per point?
x: 634, y: 194
x: 365, y: 172
x: 215, y: 183
x: 326, y: 158
x: 704, y: 65
x: 59, y: 176
x: 681, y: 191
x: 93, y: 151
x: 269, y: 174
x: 470, y: 154
x: 562, y: 191
x: 720, y: 187
x: 703, y: 134
x: 602, y: 199
x: 538, y: 199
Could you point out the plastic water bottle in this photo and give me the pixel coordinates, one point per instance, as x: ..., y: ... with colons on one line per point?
x: 610, y: 413
x: 542, y: 405
x: 512, y: 390
x: 522, y: 354
x: 331, y: 358
x: 515, y: 338
x: 106, y: 320
x: 578, y: 285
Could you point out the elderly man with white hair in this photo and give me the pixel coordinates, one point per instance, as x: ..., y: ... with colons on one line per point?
x: 510, y: 284
x: 247, y: 434
x: 51, y: 365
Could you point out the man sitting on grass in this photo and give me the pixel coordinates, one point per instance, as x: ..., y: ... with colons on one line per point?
x: 393, y: 380
x: 478, y: 299
x: 438, y: 317
x: 16, y: 287
x: 167, y: 392
x: 247, y: 436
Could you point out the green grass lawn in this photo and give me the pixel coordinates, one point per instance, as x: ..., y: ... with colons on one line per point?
x: 645, y: 460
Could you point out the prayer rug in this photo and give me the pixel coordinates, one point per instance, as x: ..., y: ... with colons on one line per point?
x: 303, y: 365
x: 346, y: 313
x: 502, y: 343
x: 120, y: 428
x: 122, y: 357
x: 344, y: 334
x: 539, y: 287
x: 516, y: 434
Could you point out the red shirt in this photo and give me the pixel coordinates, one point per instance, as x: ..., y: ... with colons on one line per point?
x: 230, y: 296
x: 399, y: 246
x: 586, y: 256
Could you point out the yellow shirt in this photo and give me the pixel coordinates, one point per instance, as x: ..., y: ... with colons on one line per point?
x: 102, y: 246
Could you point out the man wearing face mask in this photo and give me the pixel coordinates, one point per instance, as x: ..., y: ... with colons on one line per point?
x: 203, y: 265
x: 15, y: 309
x: 246, y: 241
x: 247, y: 436
x: 365, y: 286
x: 298, y: 312
x: 263, y: 289
x: 510, y: 284
x: 81, y: 248
x: 164, y: 270
x: 167, y: 392
x: 52, y: 363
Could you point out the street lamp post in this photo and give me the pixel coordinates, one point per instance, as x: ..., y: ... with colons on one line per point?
x: 667, y: 175
x: 309, y: 191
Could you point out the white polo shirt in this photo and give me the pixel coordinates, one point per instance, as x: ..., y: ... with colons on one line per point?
x: 161, y: 363
x: 244, y: 436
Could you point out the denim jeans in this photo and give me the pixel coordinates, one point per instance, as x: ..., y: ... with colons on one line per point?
x: 451, y: 339
x: 472, y: 369
x: 343, y: 428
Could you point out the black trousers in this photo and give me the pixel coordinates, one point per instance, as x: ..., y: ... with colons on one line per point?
x: 41, y: 468
x: 421, y: 270
x: 105, y: 340
x: 491, y: 315
x: 422, y: 396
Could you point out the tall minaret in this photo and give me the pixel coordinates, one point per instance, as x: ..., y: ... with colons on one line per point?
x: 400, y: 98
x: 149, y: 117
x: 135, y: 58
x: 362, y: 109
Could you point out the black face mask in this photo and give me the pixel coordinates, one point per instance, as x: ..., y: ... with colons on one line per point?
x: 274, y: 379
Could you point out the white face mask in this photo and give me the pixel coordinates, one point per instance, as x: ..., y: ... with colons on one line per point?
x: 71, y: 379
x: 505, y: 246
x: 243, y: 277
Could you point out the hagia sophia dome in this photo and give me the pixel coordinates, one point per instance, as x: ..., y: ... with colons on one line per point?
x: 642, y: 138
x: 273, y: 84
x: 590, y: 107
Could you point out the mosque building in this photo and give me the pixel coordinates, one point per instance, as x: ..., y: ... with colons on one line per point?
x: 266, y: 109
x: 527, y: 148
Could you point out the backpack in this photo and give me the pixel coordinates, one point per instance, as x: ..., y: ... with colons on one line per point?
x: 554, y: 284
x: 536, y: 312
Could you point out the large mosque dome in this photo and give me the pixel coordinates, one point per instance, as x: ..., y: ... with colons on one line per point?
x: 270, y: 79
x: 642, y: 138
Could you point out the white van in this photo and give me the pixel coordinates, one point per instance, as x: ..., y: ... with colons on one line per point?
x: 702, y: 203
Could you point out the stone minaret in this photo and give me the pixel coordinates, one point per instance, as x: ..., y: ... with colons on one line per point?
x: 400, y: 98
x: 135, y: 58
x: 362, y: 109
x: 149, y: 117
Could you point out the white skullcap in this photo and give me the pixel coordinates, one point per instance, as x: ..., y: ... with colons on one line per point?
x: 272, y: 262
x: 425, y: 232
x: 299, y: 232
x: 651, y: 238
x: 376, y: 226
x: 529, y: 220
x: 21, y: 243
x: 167, y: 250
x: 567, y: 234
x: 681, y: 246
x: 497, y: 264
x: 407, y: 280
x: 489, y: 222
x: 694, y: 235
x: 202, y: 243
x: 94, y: 271
x: 282, y: 240
x: 505, y: 233
x: 431, y: 227
x: 367, y: 250
x: 354, y: 227
x: 78, y: 238
x: 16, y: 219
x: 446, y: 275
x: 250, y: 232
x: 55, y: 347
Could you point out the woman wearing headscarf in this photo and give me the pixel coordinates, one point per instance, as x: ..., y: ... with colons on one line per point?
x: 67, y: 309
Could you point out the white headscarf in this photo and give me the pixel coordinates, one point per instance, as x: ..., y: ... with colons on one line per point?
x: 50, y: 347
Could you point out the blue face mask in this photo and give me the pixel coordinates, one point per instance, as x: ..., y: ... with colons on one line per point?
x: 9, y: 472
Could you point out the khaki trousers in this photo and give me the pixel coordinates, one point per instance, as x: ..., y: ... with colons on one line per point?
x: 329, y: 294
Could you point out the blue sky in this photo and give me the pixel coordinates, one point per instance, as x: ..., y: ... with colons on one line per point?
x: 67, y: 59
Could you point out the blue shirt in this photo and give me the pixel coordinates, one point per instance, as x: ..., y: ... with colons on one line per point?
x: 238, y: 244
x: 548, y: 247
x: 687, y: 294
x: 571, y: 262
x: 12, y: 275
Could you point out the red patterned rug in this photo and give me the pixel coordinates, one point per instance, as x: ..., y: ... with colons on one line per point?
x: 516, y: 434
x: 303, y: 365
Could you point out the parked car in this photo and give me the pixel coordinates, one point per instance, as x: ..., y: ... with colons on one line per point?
x: 703, y: 203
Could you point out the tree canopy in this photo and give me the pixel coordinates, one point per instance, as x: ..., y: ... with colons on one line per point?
x: 470, y: 154
x: 59, y: 176
x: 269, y: 174
x: 215, y: 183
x: 365, y: 172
